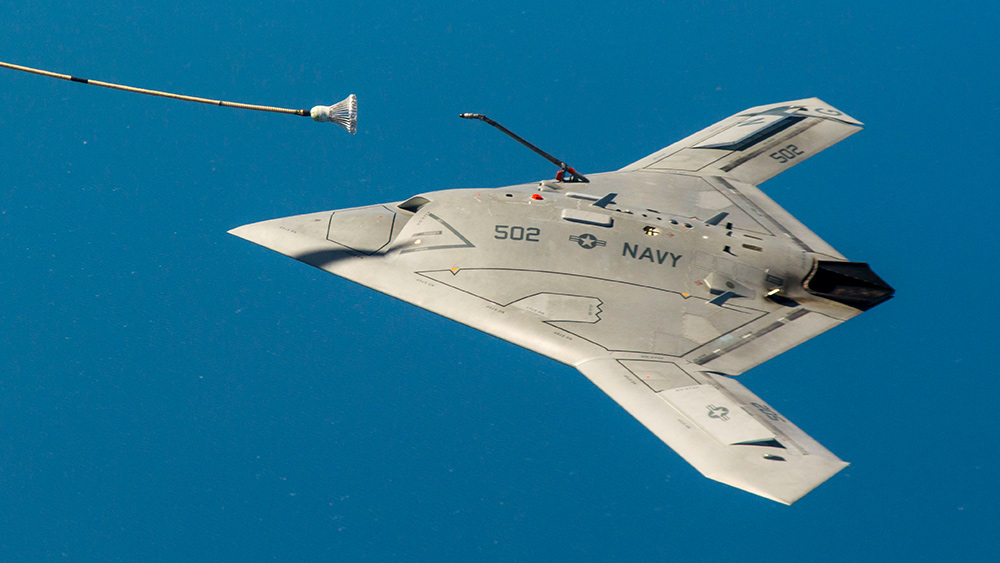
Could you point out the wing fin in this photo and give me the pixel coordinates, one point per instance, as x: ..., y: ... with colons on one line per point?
x: 717, y: 425
x: 758, y: 143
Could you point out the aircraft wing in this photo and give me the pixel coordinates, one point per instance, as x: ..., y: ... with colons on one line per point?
x: 657, y: 353
x: 717, y: 425
x: 756, y: 144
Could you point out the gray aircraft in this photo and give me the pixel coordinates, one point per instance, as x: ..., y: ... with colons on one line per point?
x: 661, y: 282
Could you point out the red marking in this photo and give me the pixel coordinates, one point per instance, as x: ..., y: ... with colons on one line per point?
x: 536, y: 196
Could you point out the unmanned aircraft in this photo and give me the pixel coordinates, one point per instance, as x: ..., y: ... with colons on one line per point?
x: 660, y: 282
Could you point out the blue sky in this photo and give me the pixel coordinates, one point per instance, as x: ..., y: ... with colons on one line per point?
x: 169, y: 392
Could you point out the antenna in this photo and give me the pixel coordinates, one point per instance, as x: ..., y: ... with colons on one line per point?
x: 566, y: 172
x: 344, y: 113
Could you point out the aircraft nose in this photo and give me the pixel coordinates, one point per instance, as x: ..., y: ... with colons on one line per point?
x: 290, y: 236
x: 318, y: 238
